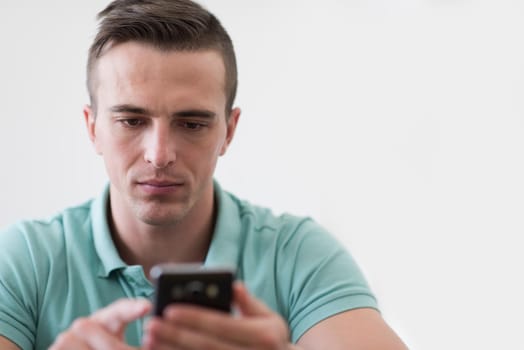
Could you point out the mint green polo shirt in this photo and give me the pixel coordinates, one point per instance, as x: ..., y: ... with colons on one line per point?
x: 55, y: 271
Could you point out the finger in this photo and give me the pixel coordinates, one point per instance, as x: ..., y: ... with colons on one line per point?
x: 256, y: 324
x: 216, y: 324
x: 116, y: 316
x: 96, y: 336
x: 266, y: 326
x: 247, y: 304
x: 162, y: 334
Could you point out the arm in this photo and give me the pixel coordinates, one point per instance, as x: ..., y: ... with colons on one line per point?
x: 6, y: 344
x: 362, y: 329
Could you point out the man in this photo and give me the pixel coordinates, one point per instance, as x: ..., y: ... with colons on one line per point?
x: 162, y: 81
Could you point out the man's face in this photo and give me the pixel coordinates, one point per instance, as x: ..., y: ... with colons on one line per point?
x: 160, y: 126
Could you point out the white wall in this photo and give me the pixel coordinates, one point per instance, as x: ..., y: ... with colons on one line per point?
x: 398, y: 124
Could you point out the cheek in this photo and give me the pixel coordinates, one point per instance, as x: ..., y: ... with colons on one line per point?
x: 202, y: 158
x: 118, y: 157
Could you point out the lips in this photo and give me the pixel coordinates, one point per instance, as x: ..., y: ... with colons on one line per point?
x: 159, y: 187
x: 159, y: 183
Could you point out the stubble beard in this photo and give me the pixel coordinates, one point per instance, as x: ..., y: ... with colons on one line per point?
x: 161, y: 212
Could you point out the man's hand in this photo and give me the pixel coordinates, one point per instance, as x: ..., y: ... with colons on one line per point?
x: 104, y: 330
x: 191, y: 327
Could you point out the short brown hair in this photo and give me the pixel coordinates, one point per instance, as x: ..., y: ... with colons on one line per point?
x: 167, y: 25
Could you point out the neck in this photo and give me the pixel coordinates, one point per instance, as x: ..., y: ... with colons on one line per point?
x: 139, y: 243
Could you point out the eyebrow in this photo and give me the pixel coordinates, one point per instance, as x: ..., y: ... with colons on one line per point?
x: 126, y: 108
x: 188, y: 113
x: 201, y: 113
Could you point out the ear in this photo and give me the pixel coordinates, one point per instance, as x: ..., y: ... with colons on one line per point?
x: 90, y: 120
x: 231, y: 127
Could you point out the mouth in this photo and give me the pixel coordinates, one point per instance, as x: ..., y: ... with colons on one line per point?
x: 159, y: 187
x: 159, y: 183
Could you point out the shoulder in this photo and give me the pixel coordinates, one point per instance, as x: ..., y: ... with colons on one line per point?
x: 263, y: 218
x: 283, y: 239
x: 32, y: 253
x: 36, y: 240
x: 291, y: 231
x: 45, y: 229
x: 32, y: 250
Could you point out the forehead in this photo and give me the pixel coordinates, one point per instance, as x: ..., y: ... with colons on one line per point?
x: 135, y: 70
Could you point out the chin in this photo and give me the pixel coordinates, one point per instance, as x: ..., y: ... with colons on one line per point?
x: 156, y: 216
x: 160, y: 222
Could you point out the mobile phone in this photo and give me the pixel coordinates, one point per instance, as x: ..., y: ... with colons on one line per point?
x: 192, y: 284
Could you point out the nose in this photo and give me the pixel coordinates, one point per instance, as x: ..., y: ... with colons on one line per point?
x: 160, y: 146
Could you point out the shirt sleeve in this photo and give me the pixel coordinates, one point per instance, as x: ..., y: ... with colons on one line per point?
x: 18, y: 286
x: 321, y: 278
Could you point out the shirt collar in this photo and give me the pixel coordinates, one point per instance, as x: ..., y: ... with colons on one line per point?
x: 105, y: 248
x: 223, y: 251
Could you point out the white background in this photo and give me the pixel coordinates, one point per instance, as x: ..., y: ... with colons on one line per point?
x: 397, y: 124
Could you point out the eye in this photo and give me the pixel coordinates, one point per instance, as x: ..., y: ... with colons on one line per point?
x: 131, y: 122
x: 192, y: 126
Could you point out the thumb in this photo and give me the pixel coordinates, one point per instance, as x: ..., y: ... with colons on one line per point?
x: 118, y: 315
x: 247, y: 304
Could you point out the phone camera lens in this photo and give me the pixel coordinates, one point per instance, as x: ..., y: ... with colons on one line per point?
x: 194, y: 289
